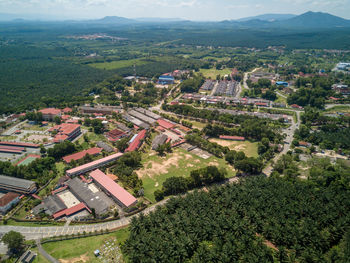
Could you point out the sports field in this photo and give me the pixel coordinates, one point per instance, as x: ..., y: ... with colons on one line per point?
x: 27, y: 160
x: 212, y: 73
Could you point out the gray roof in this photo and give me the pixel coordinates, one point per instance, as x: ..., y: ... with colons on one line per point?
x: 159, y: 140
x: 16, y: 182
x: 54, y: 204
x: 142, y: 117
x: 135, y: 121
x: 98, y: 201
x: 105, y: 146
x: 148, y: 113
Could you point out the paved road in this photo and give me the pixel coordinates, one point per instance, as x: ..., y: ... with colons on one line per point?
x: 34, y: 233
x: 288, y: 141
x: 280, y: 94
x: 44, y: 253
x: 328, y: 106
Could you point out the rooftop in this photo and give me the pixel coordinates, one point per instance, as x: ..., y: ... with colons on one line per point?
x: 113, y: 188
x: 50, y: 111
x: 80, y: 155
x: 136, y: 142
x: 17, y: 182
x: 7, y: 198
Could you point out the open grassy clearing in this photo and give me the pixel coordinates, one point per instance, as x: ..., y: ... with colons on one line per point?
x: 340, y: 108
x: 249, y: 148
x: 212, y: 73
x: 81, y: 249
x: 118, y: 64
x: 157, y: 169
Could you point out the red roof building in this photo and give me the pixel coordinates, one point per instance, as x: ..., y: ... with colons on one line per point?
x: 137, y: 141
x: 70, y: 211
x: 67, y: 110
x: 20, y: 144
x: 115, y: 135
x: 65, y: 131
x: 118, y: 193
x: 80, y: 155
x: 50, y: 113
x: 232, y: 138
x: 93, y: 165
x: 7, y: 201
x: 165, y: 124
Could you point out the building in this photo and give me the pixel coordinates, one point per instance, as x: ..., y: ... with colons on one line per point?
x: 19, y: 144
x: 71, y: 211
x: 304, y: 144
x: 159, y: 140
x: 232, y: 138
x: 77, y: 156
x: 97, y: 201
x: 165, y: 124
x: 136, y: 141
x: 93, y: 165
x: 166, y: 80
x: 105, y: 146
x: 115, y: 135
x: 17, y: 185
x: 104, y: 110
x: 27, y: 257
x: 142, y: 117
x: 282, y: 83
x: 7, y: 201
x: 342, y: 89
x: 49, y: 114
x: 148, y: 113
x: 50, y: 205
x: 114, y: 190
x: 65, y: 131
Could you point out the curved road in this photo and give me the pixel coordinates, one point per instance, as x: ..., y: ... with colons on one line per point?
x: 35, y: 233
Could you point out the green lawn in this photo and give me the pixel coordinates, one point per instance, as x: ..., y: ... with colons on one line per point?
x: 74, y: 248
x: 118, y: 64
x: 212, y: 73
x: 179, y: 163
x: 340, y: 108
x: 249, y: 148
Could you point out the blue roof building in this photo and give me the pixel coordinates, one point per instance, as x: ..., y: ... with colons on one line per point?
x: 166, y: 80
x: 282, y: 83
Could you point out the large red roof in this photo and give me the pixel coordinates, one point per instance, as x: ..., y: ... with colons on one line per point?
x: 7, y: 198
x: 51, y: 111
x: 71, y: 211
x: 20, y: 144
x: 136, y: 142
x: 65, y: 128
x: 113, y: 188
x: 165, y: 124
x: 91, y: 164
x: 79, y: 155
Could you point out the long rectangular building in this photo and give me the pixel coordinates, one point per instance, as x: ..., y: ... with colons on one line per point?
x: 118, y: 193
x: 17, y: 185
x: 93, y: 165
x: 148, y: 113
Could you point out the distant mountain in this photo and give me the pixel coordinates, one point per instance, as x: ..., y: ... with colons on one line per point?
x: 113, y: 20
x: 315, y: 20
x: 268, y: 17
x: 158, y: 19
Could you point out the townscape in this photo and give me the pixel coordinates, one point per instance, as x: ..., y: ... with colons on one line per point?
x: 161, y: 151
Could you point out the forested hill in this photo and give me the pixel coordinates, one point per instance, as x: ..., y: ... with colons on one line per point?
x: 258, y: 220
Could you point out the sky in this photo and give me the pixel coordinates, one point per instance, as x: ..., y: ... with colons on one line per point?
x: 203, y: 10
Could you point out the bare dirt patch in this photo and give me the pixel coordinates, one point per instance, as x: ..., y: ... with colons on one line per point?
x: 224, y: 143
x: 214, y: 164
x: 160, y: 168
x: 82, y: 258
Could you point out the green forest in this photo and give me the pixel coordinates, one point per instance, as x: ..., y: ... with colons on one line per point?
x: 258, y: 219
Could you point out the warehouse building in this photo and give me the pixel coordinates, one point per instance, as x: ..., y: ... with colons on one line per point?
x: 142, y: 117
x: 50, y: 205
x: 136, y: 141
x: 7, y: 201
x: 148, y: 113
x: 159, y: 140
x: 118, y: 193
x: 97, y: 201
x: 93, y: 165
x: 166, y: 80
x: 17, y: 185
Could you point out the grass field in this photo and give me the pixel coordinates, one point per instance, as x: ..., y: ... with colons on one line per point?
x: 118, y: 64
x: 72, y: 250
x: 179, y: 163
x: 249, y: 148
x: 212, y: 73
x: 340, y: 108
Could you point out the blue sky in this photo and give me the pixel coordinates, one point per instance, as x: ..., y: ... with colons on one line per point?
x: 187, y: 9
